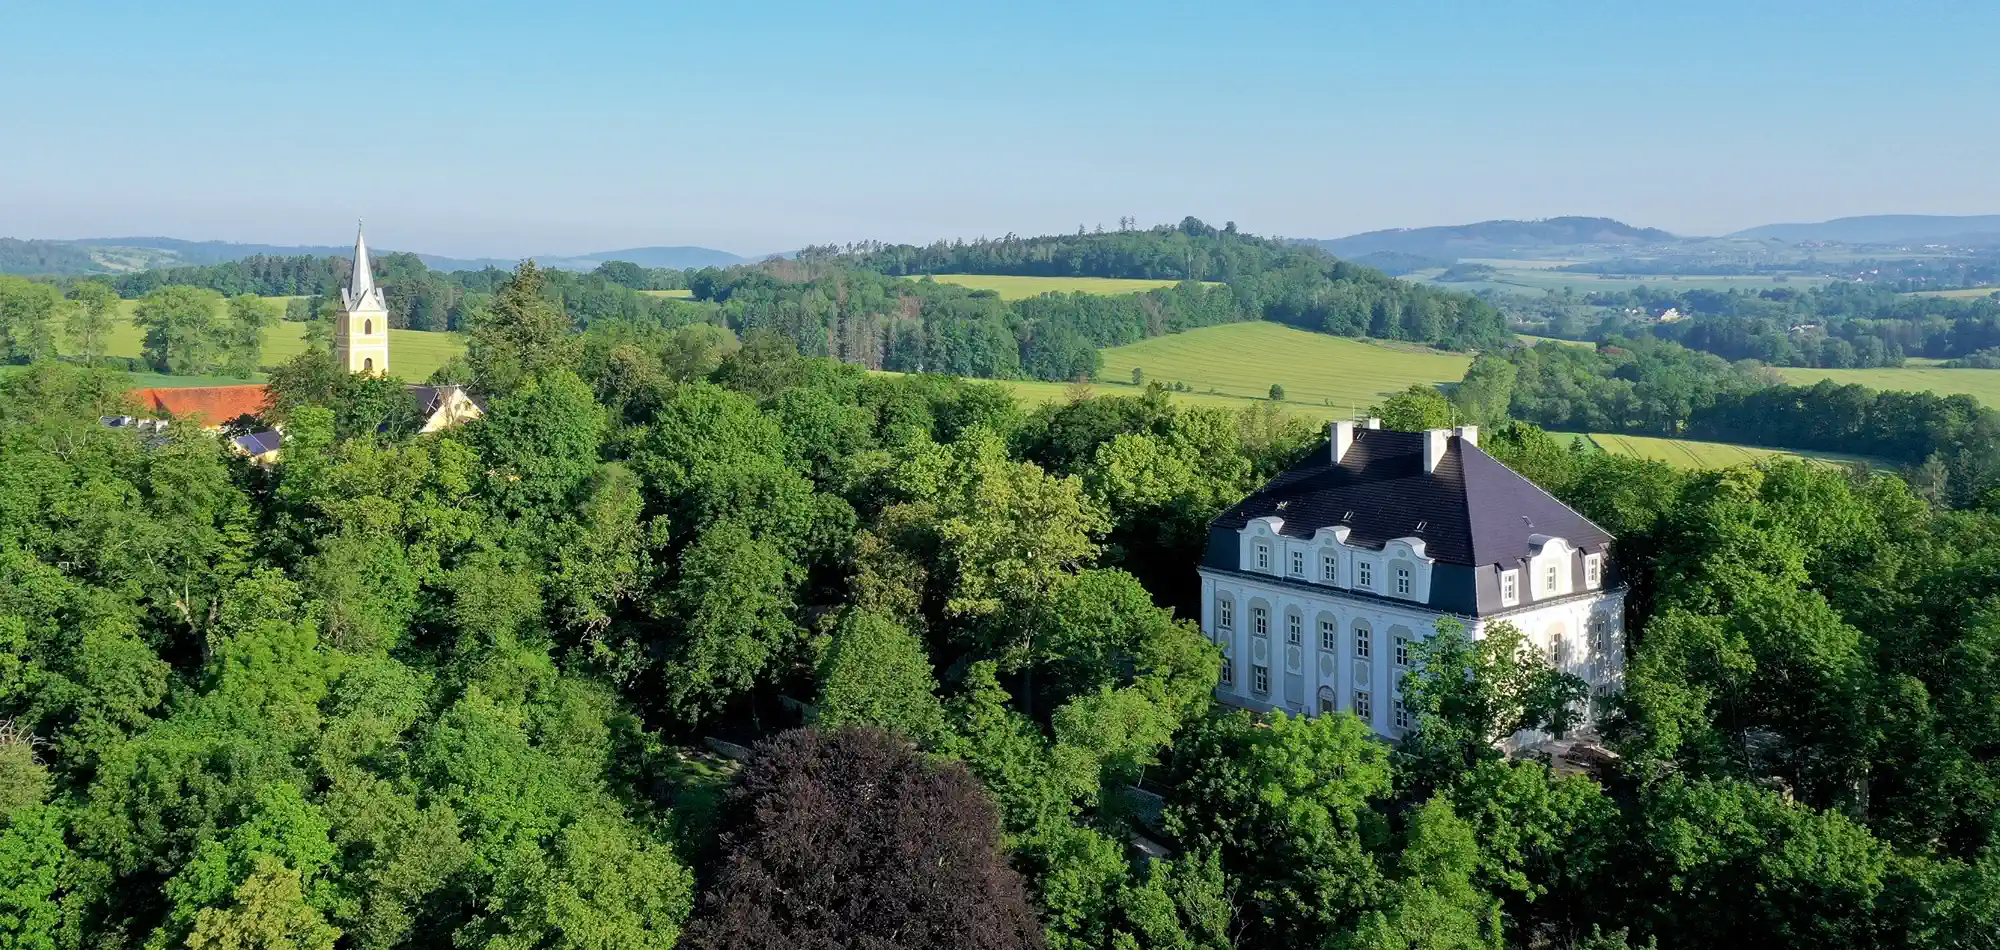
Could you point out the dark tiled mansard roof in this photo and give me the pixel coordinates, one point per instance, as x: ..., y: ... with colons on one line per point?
x: 1471, y: 510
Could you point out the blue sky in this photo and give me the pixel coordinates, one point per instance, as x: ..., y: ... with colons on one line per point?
x: 510, y: 128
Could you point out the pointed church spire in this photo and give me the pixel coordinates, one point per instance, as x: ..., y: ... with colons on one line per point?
x: 363, y: 279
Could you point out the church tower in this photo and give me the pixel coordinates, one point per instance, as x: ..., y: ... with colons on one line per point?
x: 361, y: 326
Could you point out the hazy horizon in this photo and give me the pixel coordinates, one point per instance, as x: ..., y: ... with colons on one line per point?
x: 510, y: 129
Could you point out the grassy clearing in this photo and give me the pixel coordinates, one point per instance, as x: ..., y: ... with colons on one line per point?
x: 1019, y: 288
x: 682, y: 294
x: 1243, y: 360
x: 1691, y: 454
x: 1962, y: 293
x: 1980, y: 384
x: 413, y: 354
x: 1036, y: 393
x: 1532, y: 340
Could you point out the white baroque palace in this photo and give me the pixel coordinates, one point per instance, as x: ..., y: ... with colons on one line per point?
x: 1317, y: 585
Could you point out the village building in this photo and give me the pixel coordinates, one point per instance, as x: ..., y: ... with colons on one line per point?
x: 1318, y: 585
x: 360, y: 345
x: 361, y: 325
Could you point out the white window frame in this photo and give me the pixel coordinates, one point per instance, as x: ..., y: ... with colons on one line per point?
x: 1593, y: 570
x: 1403, y: 582
x: 1298, y: 563
x: 1263, y: 555
x: 1228, y: 675
x: 1402, y: 653
x: 1551, y: 580
x: 1402, y: 714
x: 1363, y: 706
x: 1329, y: 635
x: 1364, y: 643
x: 1260, y: 680
x: 1329, y: 569
x: 1510, y: 588
x: 1225, y: 613
x: 1260, y: 621
x: 1295, y: 628
x: 1364, y: 574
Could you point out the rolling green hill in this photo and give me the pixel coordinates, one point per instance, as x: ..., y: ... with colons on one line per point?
x: 1243, y: 360
x: 1980, y: 384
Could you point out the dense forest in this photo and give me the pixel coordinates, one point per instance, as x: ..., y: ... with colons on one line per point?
x: 449, y: 689
x: 1950, y: 444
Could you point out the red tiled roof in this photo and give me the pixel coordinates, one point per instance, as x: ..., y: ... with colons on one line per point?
x: 210, y: 405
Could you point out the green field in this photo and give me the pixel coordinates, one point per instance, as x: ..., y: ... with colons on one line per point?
x: 1688, y: 453
x: 1035, y: 393
x: 1532, y: 340
x: 1980, y: 384
x: 1963, y: 293
x: 1242, y: 360
x: 413, y: 354
x: 1019, y: 288
x: 682, y: 294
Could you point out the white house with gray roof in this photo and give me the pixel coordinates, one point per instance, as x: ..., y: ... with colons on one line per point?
x: 1317, y: 585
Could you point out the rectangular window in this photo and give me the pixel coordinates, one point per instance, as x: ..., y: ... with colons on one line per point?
x: 1593, y: 570
x: 1403, y: 581
x: 1403, y: 652
x: 1228, y: 677
x: 1295, y: 629
x: 1558, y: 652
x: 1402, y: 715
x: 1510, y: 588
x: 1260, y: 622
x: 1329, y: 568
x: 1263, y: 556
x: 1260, y: 680
x: 1328, y: 640
x: 1225, y: 614
x: 1363, y: 644
x: 1549, y: 580
x: 1298, y: 563
x: 1364, y: 574
x: 1362, y: 707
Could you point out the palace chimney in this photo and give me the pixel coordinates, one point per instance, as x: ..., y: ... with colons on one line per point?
x: 1436, y: 441
x: 1340, y: 436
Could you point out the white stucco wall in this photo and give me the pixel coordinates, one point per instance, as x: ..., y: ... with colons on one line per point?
x: 1584, y: 634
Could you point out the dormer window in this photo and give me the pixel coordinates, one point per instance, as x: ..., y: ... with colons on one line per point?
x: 1329, y: 568
x: 1298, y: 563
x: 1593, y: 570
x: 1510, y: 588
x: 1263, y: 556
x: 1550, y: 578
x: 1402, y: 582
x: 1364, y: 574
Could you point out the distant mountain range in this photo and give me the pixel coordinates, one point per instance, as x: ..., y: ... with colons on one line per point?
x: 112, y: 255
x: 1493, y: 238
x: 1886, y: 229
